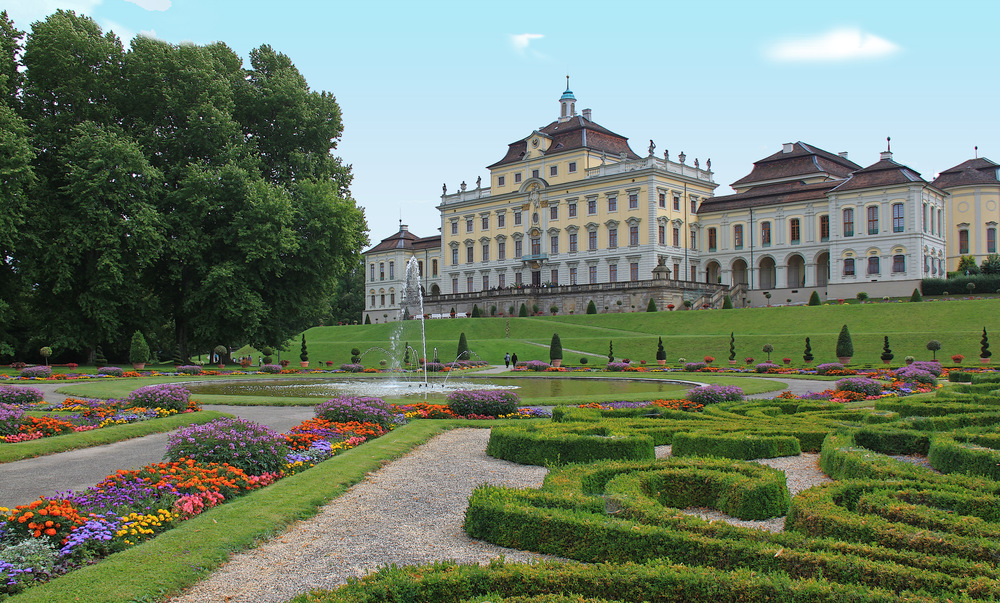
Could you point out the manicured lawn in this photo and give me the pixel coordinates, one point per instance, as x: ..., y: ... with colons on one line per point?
x: 692, y: 335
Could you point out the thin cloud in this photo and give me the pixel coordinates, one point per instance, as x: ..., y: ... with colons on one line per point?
x: 520, y: 42
x: 26, y: 12
x: 837, y: 45
x: 157, y: 5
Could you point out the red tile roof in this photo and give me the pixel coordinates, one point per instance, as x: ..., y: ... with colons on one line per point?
x: 405, y: 239
x: 575, y: 133
x: 770, y: 194
x: 980, y: 171
x: 885, y: 172
x: 803, y: 160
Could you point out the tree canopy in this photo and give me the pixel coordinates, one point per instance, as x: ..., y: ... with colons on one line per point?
x: 166, y: 189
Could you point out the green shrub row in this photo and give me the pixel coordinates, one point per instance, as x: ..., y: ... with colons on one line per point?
x: 745, y: 446
x: 660, y: 581
x: 555, y: 444
x: 918, y: 408
x: 969, y: 458
x: 743, y: 490
x: 507, y: 517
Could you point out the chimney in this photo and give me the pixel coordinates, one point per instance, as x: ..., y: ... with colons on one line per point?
x: 787, y: 147
x: 885, y: 155
x: 843, y: 154
x: 586, y: 115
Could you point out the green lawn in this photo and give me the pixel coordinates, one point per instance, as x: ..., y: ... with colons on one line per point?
x: 692, y: 335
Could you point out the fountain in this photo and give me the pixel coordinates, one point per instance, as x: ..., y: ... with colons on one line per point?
x: 411, y: 305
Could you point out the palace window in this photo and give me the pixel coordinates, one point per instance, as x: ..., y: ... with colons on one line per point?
x: 765, y: 234
x: 572, y: 167
x: 633, y: 271
x: 381, y: 271
x: 486, y: 252
x: 468, y: 225
x: 677, y: 202
x: 454, y: 285
x: 592, y: 240
x: 849, y: 267
x: 434, y: 268
x: 469, y: 284
x: 554, y: 276
x: 694, y: 239
x: 454, y: 256
x: 661, y: 234
x: 849, y: 222
x: 554, y: 244
x: 592, y: 274
x: 872, y: 220
x: 534, y: 173
x: 591, y: 207
x: 694, y: 204
x: 500, y: 221
x: 991, y: 239
x: 554, y: 212
x: 897, y: 217
x: 677, y: 237
x: 486, y: 222
x: 373, y: 272
x: 469, y: 254
x: 392, y: 270
x: 536, y: 246
x: 663, y: 200
x: 899, y: 263
x: 553, y: 170
x: 572, y: 242
x: 571, y: 209
x: 633, y: 235
x: 501, y: 280
x: 501, y: 250
x: 633, y: 200
x: 486, y: 282
x: 572, y: 275
x: 518, y: 278
x: 612, y: 238
x: 873, y: 265
x: 963, y: 241
x: 613, y: 273
x: 500, y: 180
x: 517, y: 177
x: 454, y: 228
x: 824, y: 228
x: 795, y: 230
x: 712, y: 239
x: 517, y: 218
x: 612, y: 204
x: 738, y: 236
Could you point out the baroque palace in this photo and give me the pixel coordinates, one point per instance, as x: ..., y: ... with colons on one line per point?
x: 573, y: 214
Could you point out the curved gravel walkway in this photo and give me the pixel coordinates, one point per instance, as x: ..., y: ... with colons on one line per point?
x: 408, y: 512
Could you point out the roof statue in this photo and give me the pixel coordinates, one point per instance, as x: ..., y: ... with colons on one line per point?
x: 652, y: 147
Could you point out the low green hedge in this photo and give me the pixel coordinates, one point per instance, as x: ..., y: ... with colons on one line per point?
x: 743, y: 446
x: 950, y: 456
x: 554, y: 445
x: 660, y: 581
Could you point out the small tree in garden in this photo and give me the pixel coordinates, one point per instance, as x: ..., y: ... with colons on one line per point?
x: 138, y: 352
x: 651, y: 307
x: 475, y: 311
x: 555, y: 348
x: 807, y: 356
x: 221, y: 352
x: 886, y: 352
x: 814, y: 299
x: 727, y: 302
x: 915, y: 296
x: 611, y: 351
x: 934, y: 345
x: 732, y: 346
x: 303, y: 352
x: 406, y: 353
x: 984, y: 346
x: 47, y: 351
x: 523, y: 312
x: 862, y: 296
x: 591, y: 307
x: 463, y: 347
x: 268, y: 353
x: 845, y: 347
x: 661, y: 354
x: 767, y: 349
x: 355, y: 355
x: 368, y: 319
x: 554, y: 309
x: 99, y: 358
x: 767, y: 296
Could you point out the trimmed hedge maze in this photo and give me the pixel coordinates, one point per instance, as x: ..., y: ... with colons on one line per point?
x: 914, y: 528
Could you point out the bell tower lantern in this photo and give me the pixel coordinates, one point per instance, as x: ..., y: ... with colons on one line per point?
x: 567, y: 103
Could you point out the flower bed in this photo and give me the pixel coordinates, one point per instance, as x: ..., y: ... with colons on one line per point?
x: 715, y: 394
x: 51, y: 536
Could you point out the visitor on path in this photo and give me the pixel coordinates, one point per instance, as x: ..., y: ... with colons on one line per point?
x: 506, y: 360
x: 513, y: 359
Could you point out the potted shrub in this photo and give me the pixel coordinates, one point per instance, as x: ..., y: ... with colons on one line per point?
x: 268, y: 353
x: 767, y: 349
x: 887, y: 355
x: 220, y: 352
x: 45, y: 353
x: 984, y: 349
x: 304, y: 354
x: 709, y: 359
x: 957, y: 358
x: 807, y: 355
x: 138, y: 352
x: 908, y: 359
x: 555, y: 351
x: 934, y: 345
x: 732, y: 348
x: 845, y: 347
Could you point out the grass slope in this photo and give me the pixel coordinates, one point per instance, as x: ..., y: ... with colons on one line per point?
x: 957, y: 325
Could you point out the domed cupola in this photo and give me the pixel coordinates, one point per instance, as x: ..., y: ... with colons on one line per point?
x: 567, y: 103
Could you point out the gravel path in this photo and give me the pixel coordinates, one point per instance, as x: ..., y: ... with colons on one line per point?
x: 408, y: 512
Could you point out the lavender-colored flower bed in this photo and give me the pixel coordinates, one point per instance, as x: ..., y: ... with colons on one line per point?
x: 171, y: 396
x: 344, y: 409
x: 714, y: 394
x: 250, y: 446
x: 20, y: 396
x: 479, y: 402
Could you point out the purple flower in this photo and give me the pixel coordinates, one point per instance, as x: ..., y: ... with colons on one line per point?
x: 714, y: 394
